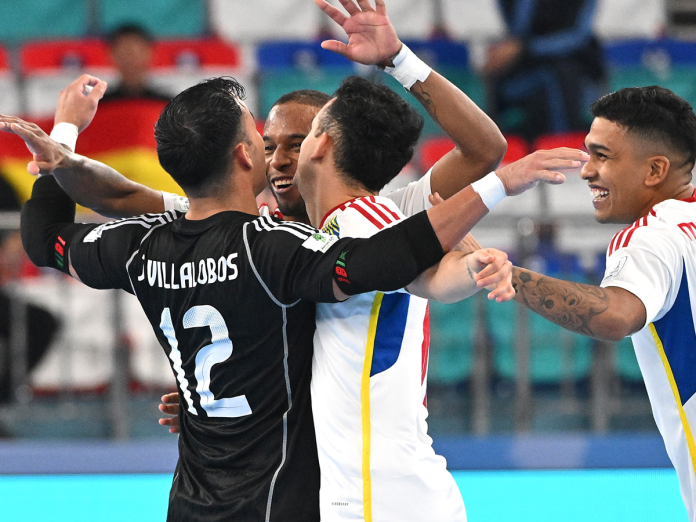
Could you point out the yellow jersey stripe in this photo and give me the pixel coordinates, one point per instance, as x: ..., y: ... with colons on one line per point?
x: 365, y: 401
x: 682, y: 414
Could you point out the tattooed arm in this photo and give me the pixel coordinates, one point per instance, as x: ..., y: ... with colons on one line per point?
x: 479, y: 145
x: 609, y: 313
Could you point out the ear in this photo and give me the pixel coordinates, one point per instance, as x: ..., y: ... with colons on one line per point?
x: 659, y: 167
x: 241, y: 155
x: 323, y: 145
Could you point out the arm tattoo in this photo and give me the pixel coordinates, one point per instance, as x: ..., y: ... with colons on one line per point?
x: 426, y: 100
x: 570, y: 305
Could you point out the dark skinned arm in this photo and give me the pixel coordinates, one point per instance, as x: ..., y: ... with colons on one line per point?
x: 479, y: 144
x: 610, y: 313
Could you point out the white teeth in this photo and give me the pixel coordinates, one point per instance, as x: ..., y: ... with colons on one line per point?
x: 599, y: 193
x: 282, y: 183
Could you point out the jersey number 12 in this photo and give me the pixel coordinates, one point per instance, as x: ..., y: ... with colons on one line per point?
x: 220, y: 350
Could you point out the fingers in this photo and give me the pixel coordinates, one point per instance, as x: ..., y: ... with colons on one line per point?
x: 350, y: 6
x: 169, y: 409
x: 435, y: 199
x: 365, y: 5
x: 380, y: 7
x: 336, y: 46
x: 551, y: 177
x: 564, y: 153
x: 494, y: 278
x: 171, y: 398
x: 336, y: 15
x: 98, y: 91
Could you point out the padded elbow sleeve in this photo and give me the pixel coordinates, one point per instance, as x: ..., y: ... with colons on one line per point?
x: 389, y: 260
x: 47, y: 224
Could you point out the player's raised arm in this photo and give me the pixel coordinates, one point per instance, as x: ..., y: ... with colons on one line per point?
x: 88, y: 182
x: 372, y: 40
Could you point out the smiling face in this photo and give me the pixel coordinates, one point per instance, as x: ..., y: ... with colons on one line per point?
x: 616, y: 173
x: 286, y: 128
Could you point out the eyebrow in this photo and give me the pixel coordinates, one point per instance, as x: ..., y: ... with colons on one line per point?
x: 596, y: 147
x: 288, y: 137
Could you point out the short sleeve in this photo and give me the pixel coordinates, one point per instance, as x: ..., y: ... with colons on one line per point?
x: 291, y: 260
x: 413, y: 198
x: 100, y: 255
x: 648, y: 268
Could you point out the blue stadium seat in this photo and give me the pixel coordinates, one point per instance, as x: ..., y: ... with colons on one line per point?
x: 163, y: 18
x: 452, y: 332
x: 39, y: 19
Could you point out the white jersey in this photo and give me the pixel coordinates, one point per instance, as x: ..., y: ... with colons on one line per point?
x: 655, y: 259
x: 368, y: 394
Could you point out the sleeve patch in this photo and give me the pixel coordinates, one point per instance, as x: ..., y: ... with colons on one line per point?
x: 319, y: 242
x: 617, y: 267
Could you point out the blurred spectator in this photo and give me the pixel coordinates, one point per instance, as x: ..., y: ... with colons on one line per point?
x: 41, y: 325
x: 131, y: 51
x: 544, y: 76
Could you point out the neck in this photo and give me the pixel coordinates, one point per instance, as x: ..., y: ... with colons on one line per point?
x: 330, y: 195
x: 236, y: 195
x: 681, y: 192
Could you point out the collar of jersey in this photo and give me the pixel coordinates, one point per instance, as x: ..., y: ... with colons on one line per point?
x: 199, y: 225
x: 342, y: 206
x: 692, y: 199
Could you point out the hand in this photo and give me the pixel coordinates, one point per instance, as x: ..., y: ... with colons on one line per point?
x: 48, y: 155
x: 372, y: 39
x: 170, y: 406
x: 493, y: 271
x: 501, y: 57
x: 77, y: 103
x: 541, y: 165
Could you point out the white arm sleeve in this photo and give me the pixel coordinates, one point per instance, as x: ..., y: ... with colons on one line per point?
x: 413, y: 198
x: 175, y: 202
x: 650, y: 268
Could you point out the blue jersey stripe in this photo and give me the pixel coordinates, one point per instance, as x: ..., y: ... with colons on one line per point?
x: 676, y: 330
x: 391, y: 326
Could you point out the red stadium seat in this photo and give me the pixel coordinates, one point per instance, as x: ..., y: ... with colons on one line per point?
x: 517, y: 149
x: 204, y: 52
x: 434, y: 148
x: 36, y: 57
x: 575, y: 140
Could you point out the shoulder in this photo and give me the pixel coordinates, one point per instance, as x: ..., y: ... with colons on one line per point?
x: 364, y: 217
x: 135, y: 226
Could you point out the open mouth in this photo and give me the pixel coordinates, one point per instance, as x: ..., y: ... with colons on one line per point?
x: 282, y: 184
x: 599, y: 194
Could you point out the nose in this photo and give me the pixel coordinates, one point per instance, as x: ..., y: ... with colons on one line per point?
x: 588, y: 170
x: 280, y: 159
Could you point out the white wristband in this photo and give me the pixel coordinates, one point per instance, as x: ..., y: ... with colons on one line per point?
x: 175, y: 202
x: 66, y: 134
x: 491, y: 190
x: 408, y: 68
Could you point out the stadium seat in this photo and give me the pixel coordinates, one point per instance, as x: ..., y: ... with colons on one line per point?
x: 625, y: 361
x: 243, y: 21
x: 432, y: 149
x: 473, y: 19
x: 50, y: 66
x: 556, y: 354
x: 517, y: 149
x: 452, y: 333
x: 575, y: 140
x: 10, y: 102
x: 179, y: 64
x: 162, y: 18
x: 31, y: 19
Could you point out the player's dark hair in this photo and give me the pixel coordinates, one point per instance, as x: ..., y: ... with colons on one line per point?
x: 130, y: 29
x: 305, y: 97
x: 653, y: 113
x: 374, y: 132
x: 197, y: 132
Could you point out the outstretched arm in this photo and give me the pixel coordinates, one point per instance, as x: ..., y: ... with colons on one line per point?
x: 88, y: 182
x: 461, y: 274
x: 479, y: 145
x: 603, y: 313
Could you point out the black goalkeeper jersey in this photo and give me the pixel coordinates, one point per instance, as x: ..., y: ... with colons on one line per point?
x: 229, y: 300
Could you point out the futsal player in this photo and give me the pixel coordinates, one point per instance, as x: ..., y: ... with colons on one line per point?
x: 642, y: 147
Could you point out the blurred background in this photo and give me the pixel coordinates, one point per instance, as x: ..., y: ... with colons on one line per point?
x: 510, y: 394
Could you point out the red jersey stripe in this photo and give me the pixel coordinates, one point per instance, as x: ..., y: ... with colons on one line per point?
x: 376, y: 210
x: 386, y: 208
x: 368, y: 215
